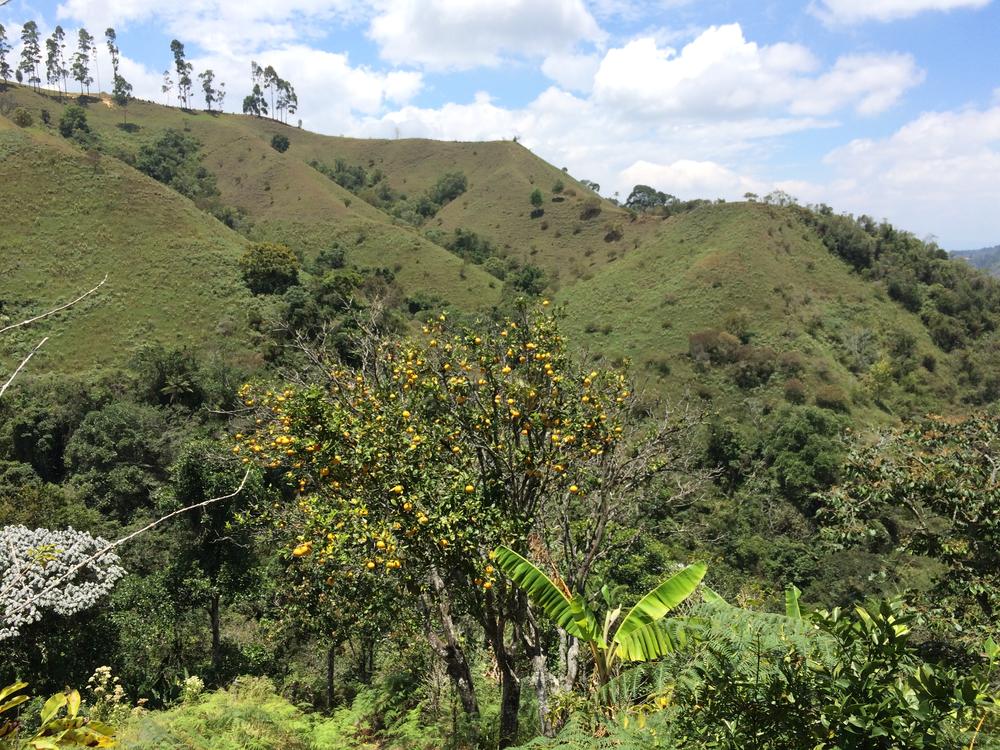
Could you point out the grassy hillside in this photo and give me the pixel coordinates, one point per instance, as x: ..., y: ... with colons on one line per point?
x: 757, y: 272
x: 775, y: 315
x: 68, y: 221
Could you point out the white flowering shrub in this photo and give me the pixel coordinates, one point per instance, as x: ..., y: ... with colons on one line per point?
x: 33, y: 564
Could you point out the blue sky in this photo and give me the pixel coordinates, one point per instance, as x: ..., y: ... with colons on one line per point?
x: 886, y: 107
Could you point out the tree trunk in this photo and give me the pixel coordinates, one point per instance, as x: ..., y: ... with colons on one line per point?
x: 540, y: 678
x: 331, y: 655
x: 216, y: 632
x: 449, y: 649
x: 510, y: 703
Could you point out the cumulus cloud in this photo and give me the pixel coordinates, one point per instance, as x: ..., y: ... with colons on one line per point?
x: 218, y: 25
x: 687, y: 178
x: 858, y: 11
x: 930, y: 176
x: 462, y: 34
x: 721, y: 74
x: 572, y: 71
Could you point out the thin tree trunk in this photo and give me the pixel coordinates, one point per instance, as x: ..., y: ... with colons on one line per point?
x: 540, y: 677
x: 450, y: 648
x: 331, y: 655
x: 216, y: 632
x: 510, y: 702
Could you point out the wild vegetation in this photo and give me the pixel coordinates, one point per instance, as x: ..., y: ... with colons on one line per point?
x: 421, y: 445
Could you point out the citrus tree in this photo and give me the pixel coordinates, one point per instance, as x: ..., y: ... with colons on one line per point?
x: 415, y: 466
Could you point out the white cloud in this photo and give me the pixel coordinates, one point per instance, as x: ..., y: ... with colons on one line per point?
x: 686, y: 178
x: 857, y: 11
x: 721, y: 74
x: 219, y: 25
x: 460, y: 34
x: 572, y: 71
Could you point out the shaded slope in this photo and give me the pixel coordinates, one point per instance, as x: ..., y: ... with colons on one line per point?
x: 67, y: 222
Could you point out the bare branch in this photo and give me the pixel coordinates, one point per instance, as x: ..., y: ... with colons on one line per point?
x: 20, y: 367
x: 55, y: 310
x: 129, y: 537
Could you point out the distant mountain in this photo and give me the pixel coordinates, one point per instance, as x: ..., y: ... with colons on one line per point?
x: 986, y: 258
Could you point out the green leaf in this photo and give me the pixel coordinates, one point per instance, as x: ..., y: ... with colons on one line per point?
x: 992, y: 649
x: 51, y: 707
x: 571, y: 616
x: 73, y: 702
x: 792, y: 594
x: 11, y: 689
x: 655, y: 605
x: 14, y: 702
x: 653, y: 641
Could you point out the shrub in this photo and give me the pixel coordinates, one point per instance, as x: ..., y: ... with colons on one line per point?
x: 280, y: 143
x: 73, y: 120
x: 536, y: 198
x: 558, y: 187
x: 832, y: 397
x: 269, y: 268
x: 718, y: 347
x: 738, y: 323
x: 795, y: 391
x: 448, y: 187
x: 792, y: 363
x: 46, y: 117
x: 22, y: 118
x: 754, y: 367
x: 591, y: 208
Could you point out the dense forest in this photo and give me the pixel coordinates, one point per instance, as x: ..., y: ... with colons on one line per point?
x: 344, y: 452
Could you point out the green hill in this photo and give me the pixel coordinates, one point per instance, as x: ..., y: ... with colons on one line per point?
x: 68, y: 221
x: 741, y: 304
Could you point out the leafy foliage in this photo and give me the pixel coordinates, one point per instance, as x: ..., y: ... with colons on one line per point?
x: 269, y: 268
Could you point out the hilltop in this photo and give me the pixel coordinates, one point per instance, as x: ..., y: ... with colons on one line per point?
x: 738, y: 303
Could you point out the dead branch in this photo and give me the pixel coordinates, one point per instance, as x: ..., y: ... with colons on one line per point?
x: 125, y: 539
x: 20, y: 367
x: 29, y: 321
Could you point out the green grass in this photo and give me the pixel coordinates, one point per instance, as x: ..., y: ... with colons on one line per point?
x: 701, y: 267
x: 172, y: 269
x: 639, y: 295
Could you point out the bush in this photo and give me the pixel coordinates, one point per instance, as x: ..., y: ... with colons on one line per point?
x: 448, y: 187
x: 754, y: 366
x: 792, y: 363
x: 280, y: 143
x: 269, y: 268
x: 22, y: 118
x: 558, y: 187
x: 795, y: 391
x: 73, y: 121
x: 717, y: 347
x: 832, y: 397
x: 591, y: 208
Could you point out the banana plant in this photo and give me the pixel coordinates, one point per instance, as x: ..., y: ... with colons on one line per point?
x: 644, y: 634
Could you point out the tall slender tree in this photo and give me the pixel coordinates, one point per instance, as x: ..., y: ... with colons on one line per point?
x: 168, y: 85
x: 254, y: 103
x: 211, y: 93
x: 220, y: 95
x: 5, y: 70
x: 121, y: 91
x: 31, y: 54
x: 81, y: 60
x: 55, y: 60
x: 184, y: 69
x: 270, y: 85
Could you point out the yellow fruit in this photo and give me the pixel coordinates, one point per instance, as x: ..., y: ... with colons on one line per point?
x: 469, y: 489
x: 370, y: 565
x: 489, y: 569
x: 407, y: 506
x: 380, y: 544
x: 303, y: 549
x: 487, y: 585
x: 574, y: 489
x: 423, y: 519
x: 398, y: 489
